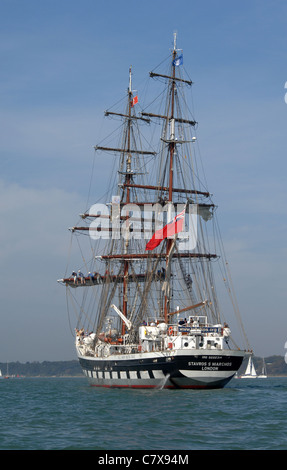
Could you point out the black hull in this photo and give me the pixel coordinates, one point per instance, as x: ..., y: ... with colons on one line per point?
x: 182, y: 369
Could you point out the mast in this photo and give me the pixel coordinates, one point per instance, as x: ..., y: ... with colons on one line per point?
x: 127, y: 183
x: 171, y: 154
x: 172, y: 130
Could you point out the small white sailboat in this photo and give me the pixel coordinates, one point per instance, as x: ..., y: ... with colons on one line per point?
x: 7, y: 376
x: 250, y: 372
x: 263, y: 374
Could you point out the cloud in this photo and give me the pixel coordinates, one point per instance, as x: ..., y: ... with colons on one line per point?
x: 34, y: 243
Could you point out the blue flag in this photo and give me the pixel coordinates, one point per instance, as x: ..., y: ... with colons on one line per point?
x: 178, y: 61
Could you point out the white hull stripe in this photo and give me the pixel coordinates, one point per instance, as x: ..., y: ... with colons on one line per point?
x: 154, y: 374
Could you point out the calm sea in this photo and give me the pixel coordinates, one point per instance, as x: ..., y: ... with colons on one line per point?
x: 66, y: 413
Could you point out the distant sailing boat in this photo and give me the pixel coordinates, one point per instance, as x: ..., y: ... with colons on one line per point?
x: 7, y: 376
x: 147, y: 310
x: 250, y: 372
x: 263, y: 374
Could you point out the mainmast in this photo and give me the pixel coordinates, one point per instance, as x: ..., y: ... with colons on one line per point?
x: 172, y: 129
x: 171, y: 155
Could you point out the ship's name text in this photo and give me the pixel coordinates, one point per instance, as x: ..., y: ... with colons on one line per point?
x: 210, y: 365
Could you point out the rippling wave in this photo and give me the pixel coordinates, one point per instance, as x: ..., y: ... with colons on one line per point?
x: 66, y: 413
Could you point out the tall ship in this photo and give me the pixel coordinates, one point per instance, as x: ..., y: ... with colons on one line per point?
x: 143, y: 299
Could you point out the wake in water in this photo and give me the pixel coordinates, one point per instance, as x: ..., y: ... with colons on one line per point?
x: 164, y: 381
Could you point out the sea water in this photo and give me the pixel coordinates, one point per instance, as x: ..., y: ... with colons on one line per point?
x: 67, y: 413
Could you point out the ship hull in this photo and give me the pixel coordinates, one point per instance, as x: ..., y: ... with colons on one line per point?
x: 179, y: 369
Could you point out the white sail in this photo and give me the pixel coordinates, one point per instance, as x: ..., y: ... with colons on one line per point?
x: 250, y: 372
x: 263, y: 374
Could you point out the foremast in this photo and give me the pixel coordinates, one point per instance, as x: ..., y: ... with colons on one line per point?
x: 127, y: 182
x: 125, y: 198
x: 127, y: 185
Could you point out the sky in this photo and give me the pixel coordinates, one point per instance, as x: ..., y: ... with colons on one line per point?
x: 63, y: 62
